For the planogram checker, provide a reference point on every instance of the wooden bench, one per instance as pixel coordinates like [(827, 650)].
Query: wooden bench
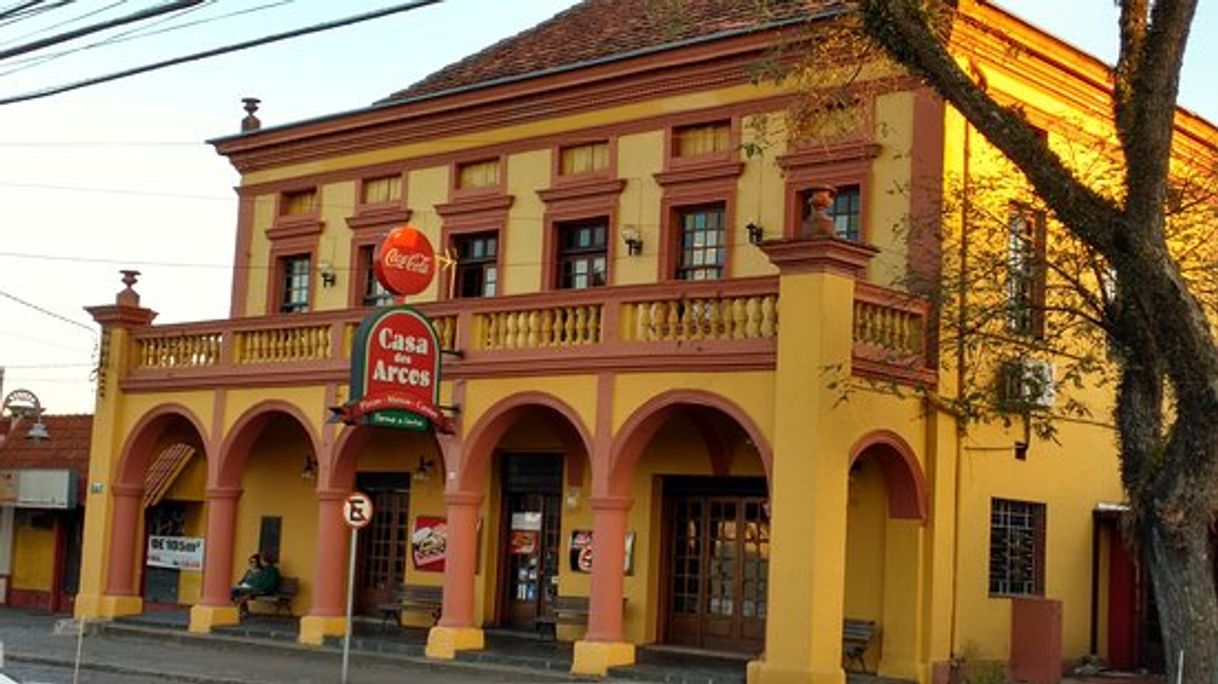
[(857, 636), (282, 597), (412, 598), (565, 610)]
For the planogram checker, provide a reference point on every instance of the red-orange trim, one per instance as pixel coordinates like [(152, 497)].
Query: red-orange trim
[(838, 165), (143, 436), (484, 212), (643, 424), (484, 436), (588, 199), (235, 451), (903, 478)]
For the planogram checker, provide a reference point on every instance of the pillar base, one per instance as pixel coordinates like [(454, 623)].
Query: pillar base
[(761, 672), (596, 657), (204, 618), (104, 607), (315, 628), (444, 642)]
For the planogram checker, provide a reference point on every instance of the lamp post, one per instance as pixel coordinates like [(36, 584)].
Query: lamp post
[(20, 404)]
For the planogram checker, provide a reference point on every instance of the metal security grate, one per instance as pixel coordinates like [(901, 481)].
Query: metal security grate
[(1017, 547)]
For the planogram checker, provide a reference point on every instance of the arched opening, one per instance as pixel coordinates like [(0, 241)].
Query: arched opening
[(697, 467), (402, 472), (529, 455), (886, 508), (158, 492), (269, 456)]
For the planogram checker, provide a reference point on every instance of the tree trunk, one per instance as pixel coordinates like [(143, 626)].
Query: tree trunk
[(1182, 573)]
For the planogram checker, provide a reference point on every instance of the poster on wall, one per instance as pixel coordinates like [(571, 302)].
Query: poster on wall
[(523, 542), (581, 551), (179, 553), (429, 543)]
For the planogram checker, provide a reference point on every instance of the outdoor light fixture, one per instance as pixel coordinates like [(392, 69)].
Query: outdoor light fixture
[(309, 470), (756, 233), (328, 277), (573, 497), (633, 240), (21, 404), (423, 472)]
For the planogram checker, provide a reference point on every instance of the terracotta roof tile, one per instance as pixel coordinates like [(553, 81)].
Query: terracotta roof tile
[(68, 446), (601, 29), (164, 470)]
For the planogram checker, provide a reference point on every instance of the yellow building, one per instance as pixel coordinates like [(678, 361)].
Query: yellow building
[(657, 332)]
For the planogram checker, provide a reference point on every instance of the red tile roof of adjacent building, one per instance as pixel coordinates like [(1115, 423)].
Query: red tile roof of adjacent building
[(597, 30), (68, 447)]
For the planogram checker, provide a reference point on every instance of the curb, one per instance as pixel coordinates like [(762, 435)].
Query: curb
[(135, 632), (127, 670)]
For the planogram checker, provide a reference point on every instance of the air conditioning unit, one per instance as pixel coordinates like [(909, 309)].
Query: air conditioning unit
[(1027, 383)]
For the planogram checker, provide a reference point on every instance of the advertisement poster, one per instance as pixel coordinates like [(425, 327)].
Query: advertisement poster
[(429, 543), (581, 551), (180, 553), (524, 542)]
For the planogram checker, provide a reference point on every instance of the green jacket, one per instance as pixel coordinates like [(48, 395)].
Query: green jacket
[(266, 580)]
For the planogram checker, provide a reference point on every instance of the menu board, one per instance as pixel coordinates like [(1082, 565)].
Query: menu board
[(429, 543)]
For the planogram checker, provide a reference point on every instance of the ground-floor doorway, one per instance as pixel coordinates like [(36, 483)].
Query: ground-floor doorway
[(717, 570), (385, 545), (531, 525)]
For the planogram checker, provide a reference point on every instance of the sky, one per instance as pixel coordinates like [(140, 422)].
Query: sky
[(119, 176)]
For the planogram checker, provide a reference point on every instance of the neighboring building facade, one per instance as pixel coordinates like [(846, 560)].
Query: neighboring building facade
[(656, 329), (42, 511)]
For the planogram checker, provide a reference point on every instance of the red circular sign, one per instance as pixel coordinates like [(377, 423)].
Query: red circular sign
[(405, 262), (357, 510)]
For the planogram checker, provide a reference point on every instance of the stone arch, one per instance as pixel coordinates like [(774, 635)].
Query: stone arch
[(144, 435), (234, 454), (499, 418), (636, 433), (903, 479)]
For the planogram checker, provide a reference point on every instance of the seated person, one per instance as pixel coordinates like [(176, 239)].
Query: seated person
[(261, 579)]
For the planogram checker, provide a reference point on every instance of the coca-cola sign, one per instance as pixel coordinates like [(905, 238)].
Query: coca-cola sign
[(395, 372), (405, 262)]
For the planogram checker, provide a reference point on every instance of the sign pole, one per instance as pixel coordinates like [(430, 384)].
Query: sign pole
[(350, 601)]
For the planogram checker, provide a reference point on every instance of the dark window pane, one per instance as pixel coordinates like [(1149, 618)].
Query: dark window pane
[(476, 274), (294, 289), (702, 234), (582, 254)]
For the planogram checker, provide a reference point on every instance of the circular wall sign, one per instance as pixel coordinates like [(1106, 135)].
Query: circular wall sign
[(357, 510), (405, 263)]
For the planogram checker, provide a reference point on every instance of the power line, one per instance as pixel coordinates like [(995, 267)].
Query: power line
[(141, 15), (234, 47), (39, 340), (29, 366), (47, 312)]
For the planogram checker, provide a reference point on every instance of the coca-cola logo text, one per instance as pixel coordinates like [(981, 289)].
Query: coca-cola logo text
[(415, 263)]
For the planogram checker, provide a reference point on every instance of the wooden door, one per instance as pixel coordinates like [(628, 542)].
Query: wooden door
[(718, 572), (384, 544)]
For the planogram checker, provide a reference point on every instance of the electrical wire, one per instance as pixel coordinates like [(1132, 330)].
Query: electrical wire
[(233, 47), (47, 312), (141, 15)]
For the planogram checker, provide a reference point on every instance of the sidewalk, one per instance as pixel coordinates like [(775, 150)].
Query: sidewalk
[(29, 638)]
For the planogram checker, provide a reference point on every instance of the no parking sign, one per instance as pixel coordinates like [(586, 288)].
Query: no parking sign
[(357, 510)]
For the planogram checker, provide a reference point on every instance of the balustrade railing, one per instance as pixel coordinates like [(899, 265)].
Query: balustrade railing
[(889, 329)]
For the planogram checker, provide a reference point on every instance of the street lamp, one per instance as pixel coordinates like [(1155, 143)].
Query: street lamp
[(22, 403)]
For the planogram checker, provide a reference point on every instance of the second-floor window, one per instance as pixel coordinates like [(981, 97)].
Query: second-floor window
[(372, 292), (294, 286), (1025, 276), (845, 212), (477, 273), (701, 242), (1017, 547), (582, 254)]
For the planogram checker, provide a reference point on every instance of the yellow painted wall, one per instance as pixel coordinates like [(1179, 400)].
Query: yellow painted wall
[(521, 243), (273, 487), (639, 156), (427, 188), (33, 556)]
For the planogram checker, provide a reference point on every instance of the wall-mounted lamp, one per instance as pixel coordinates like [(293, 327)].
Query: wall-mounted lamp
[(633, 240), (308, 471), (328, 276), (756, 233), (423, 472), (573, 497)]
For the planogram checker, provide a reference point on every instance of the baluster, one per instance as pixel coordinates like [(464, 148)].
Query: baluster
[(594, 323), (769, 316), (688, 321), (739, 318), (509, 330), (547, 328), (754, 321), (581, 326), (655, 317), (490, 329), (672, 321)]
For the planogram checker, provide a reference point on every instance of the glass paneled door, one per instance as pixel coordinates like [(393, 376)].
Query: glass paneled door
[(384, 544), (719, 564), (532, 517)]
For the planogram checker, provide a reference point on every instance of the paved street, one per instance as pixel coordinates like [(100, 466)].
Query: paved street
[(33, 651)]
